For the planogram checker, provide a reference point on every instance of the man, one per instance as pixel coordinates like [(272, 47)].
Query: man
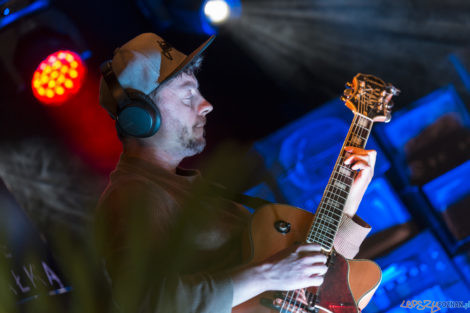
[(186, 256)]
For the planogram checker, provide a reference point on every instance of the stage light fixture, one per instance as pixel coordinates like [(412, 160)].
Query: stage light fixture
[(190, 16), (217, 11), (58, 77)]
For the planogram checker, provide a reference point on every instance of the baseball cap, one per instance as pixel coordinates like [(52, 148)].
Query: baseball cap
[(144, 63)]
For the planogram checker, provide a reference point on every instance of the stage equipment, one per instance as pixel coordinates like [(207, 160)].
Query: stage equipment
[(449, 195), (58, 77), (430, 144), (217, 11), (196, 17), (419, 270), (32, 35)]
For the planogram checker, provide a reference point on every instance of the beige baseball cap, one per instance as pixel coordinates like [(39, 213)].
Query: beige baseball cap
[(143, 63)]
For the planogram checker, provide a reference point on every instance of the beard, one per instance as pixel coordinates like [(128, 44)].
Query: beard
[(191, 144)]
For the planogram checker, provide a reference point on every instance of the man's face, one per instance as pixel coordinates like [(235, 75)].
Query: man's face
[(183, 111)]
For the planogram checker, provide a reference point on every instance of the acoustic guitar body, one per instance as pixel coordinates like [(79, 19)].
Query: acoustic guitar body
[(348, 284)]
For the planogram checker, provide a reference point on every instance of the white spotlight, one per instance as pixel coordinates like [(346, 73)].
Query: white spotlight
[(217, 11)]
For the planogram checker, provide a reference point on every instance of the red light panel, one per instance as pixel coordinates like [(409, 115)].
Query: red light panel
[(58, 77)]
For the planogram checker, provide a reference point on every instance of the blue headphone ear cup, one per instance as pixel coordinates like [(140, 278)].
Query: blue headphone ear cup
[(141, 118)]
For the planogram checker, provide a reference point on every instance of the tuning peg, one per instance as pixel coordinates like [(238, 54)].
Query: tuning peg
[(348, 85), (389, 105), (393, 90), (348, 93)]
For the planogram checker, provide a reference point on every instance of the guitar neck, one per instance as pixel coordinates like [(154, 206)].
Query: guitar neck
[(330, 210)]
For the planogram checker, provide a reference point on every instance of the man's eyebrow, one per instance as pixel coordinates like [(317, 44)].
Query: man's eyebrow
[(189, 83)]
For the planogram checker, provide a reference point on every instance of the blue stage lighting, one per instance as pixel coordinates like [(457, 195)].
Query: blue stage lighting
[(9, 15)]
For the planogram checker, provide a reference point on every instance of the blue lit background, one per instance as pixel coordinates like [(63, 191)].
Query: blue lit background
[(426, 266)]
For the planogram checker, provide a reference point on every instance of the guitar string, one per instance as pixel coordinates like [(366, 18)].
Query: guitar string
[(335, 176), (331, 193), (354, 134), (357, 131), (295, 306)]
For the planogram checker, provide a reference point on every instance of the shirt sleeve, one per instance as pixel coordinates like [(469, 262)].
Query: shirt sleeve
[(350, 235), (142, 269), (200, 292)]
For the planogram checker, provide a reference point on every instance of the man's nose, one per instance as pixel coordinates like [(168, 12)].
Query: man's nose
[(205, 107)]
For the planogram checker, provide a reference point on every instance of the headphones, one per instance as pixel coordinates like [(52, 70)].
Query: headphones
[(137, 115)]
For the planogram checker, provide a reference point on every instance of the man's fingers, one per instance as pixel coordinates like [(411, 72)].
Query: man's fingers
[(308, 247), (368, 158), (356, 150), (314, 259), (357, 158), (316, 270), (316, 281), (360, 165)]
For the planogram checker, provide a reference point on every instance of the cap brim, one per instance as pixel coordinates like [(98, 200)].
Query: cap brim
[(191, 57)]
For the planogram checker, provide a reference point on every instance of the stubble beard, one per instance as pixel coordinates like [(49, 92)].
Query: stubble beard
[(190, 144)]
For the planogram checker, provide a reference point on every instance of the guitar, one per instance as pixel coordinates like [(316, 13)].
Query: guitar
[(348, 285)]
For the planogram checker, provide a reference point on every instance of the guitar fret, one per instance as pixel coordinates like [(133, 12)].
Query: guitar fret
[(321, 228), (333, 203), (363, 122), (324, 208), (327, 223), (344, 171), (335, 189), (356, 141), (330, 210), (324, 232), (342, 178), (335, 197), (325, 229), (363, 132), (358, 136), (319, 241), (326, 220)]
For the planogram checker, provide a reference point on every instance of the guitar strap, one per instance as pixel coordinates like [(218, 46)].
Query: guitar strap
[(249, 201)]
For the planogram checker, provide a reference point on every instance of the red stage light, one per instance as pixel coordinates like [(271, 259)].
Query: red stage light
[(58, 77)]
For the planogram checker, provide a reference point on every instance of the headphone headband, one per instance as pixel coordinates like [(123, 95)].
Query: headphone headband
[(117, 92), (136, 114)]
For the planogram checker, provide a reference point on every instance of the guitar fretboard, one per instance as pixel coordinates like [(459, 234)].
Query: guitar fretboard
[(330, 210)]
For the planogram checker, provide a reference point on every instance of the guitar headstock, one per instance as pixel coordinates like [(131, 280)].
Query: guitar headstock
[(370, 96)]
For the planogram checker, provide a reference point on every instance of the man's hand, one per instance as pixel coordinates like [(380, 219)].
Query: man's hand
[(296, 267), (363, 161)]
